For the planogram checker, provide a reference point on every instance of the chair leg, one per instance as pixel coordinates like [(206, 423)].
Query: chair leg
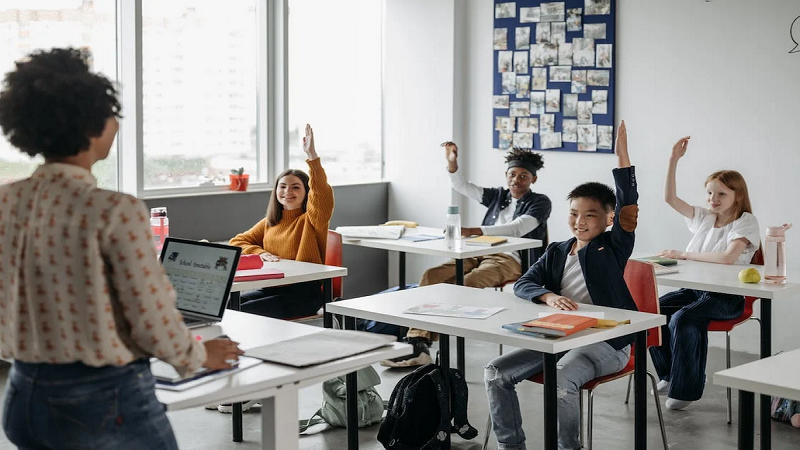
[(658, 409), (628, 395), (589, 420), (728, 366), (580, 420), (487, 433)]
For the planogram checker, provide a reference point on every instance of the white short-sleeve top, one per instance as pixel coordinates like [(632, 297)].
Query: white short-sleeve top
[(709, 239)]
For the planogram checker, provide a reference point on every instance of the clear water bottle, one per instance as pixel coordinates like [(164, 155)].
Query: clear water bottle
[(452, 228), (159, 225), (775, 254)]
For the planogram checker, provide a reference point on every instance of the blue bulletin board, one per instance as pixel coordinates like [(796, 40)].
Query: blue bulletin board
[(554, 75)]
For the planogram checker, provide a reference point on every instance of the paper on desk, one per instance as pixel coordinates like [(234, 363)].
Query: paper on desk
[(320, 347), (595, 314), (372, 232), (450, 310)]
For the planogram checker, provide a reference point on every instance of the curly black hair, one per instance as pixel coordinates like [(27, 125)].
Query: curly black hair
[(595, 191), (535, 160), (51, 104)]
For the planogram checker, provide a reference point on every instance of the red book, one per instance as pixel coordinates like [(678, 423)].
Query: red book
[(250, 262), (265, 273), (560, 324)]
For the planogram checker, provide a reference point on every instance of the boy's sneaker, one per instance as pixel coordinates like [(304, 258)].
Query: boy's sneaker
[(677, 405), (420, 357), (227, 408), (662, 387)]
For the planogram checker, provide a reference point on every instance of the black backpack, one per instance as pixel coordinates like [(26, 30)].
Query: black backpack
[(417, 417)]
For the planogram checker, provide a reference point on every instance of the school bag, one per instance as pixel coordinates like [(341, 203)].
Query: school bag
[(417, 416), (334, 393)]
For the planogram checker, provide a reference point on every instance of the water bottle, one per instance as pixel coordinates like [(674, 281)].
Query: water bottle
[(159, 225), (452, 228), (775, 254)]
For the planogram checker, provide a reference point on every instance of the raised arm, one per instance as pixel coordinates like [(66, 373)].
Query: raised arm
[(320, 196), (670, 186), (623, 160), (626, 211)]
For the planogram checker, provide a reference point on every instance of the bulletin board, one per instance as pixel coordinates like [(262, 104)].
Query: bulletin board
[(554, 75)]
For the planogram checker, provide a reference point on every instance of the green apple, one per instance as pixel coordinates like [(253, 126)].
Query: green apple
[(749, 275)]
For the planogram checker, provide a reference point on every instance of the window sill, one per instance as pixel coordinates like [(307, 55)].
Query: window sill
[(221, 190)]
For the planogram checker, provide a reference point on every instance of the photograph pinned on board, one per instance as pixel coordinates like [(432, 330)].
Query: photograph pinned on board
[(550, 140), (501, 39), (549, 54), (565, 54), (594, 30), (569, 130), (528, 125), (597, 77), (500, 101), (584, 113), (520, 109), (537, 102), (523, 140), (583, 52), (522, 39), (504, 140), (509, 83), (521, 62), (542, 32), (570, 105), (523, 86), (605, 137), (587, 138), (529, 15), (552, 12), (538, 78), (600, 101), (537, 55), (504, 61), (505, 10), (560, 74), (578, 82), (574, 19), (547, 123), (604, 55), (553, 100), (558, 32), (504, 124), (597, 7)]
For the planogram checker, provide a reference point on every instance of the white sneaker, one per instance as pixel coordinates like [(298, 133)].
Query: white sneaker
[(677, 405), (227, 408), (662, 387)]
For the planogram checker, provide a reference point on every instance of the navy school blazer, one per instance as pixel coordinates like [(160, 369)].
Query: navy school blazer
[(602, 261)]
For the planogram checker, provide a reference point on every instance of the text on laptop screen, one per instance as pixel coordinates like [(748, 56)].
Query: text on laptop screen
[(199, 275)]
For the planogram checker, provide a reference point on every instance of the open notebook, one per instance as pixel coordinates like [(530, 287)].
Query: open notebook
[(320, 347)]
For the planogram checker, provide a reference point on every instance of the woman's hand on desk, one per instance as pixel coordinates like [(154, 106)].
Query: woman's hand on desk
[(219, 352), (673, 254), (467, 232), (558, 302), (267, 256)]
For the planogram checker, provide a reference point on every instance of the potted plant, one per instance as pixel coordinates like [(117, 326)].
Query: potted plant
[(239, 179)]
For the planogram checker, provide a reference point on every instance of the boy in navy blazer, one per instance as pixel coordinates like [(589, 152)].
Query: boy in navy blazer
[(587, 268)]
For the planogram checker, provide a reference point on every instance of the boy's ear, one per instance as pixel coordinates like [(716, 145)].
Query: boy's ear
[(533, 180), (610, 219)]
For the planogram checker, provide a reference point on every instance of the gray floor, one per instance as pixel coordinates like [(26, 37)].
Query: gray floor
[(702, 426)]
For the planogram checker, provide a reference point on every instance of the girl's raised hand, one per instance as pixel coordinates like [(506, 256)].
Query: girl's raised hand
[(451, 153), (308, 143), (679, 149)]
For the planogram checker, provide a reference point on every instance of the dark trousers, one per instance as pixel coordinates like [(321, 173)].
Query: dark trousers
[(681, 358), (284, 302)]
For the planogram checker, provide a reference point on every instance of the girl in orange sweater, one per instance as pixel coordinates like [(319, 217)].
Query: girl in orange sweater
[(296, 227)]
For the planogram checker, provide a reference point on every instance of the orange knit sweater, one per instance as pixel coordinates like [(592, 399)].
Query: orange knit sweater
[(300, 235)]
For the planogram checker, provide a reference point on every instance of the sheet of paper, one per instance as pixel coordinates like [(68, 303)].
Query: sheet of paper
[(449, 310)]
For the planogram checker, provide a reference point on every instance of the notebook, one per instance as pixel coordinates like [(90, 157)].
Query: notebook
[(264, 273), (486, 241), (320, 347), (168, 378), (202, 275), (658, 260)]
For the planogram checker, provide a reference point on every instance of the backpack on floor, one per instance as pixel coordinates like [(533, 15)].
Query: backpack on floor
[(334, 394), (417, 417)]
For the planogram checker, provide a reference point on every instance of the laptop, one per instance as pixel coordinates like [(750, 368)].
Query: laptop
[(202, 274)]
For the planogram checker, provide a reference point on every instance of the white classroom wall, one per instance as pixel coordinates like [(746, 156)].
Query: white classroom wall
[(718, 71)]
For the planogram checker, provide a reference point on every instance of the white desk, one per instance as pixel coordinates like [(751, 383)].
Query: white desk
[(389, 308), (724, 278), (773, 376), (438, 247), (276, 384)]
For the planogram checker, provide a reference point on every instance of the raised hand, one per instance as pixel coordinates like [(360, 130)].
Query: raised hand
[(621, 148), (451, 153), (308, 143), (679, 149)]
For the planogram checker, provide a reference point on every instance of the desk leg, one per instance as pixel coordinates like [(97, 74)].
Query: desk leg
[(279, 421), (236, 422), (640, 391), (351, 386), (766, 352), (746, 410), (525, 259), (550, 403), (235, 301), (401, 276), (327, 297), (444, 366), (460, 340)]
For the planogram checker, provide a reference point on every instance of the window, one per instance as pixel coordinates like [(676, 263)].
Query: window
[(335, 85), (28, 25), (199, 89)]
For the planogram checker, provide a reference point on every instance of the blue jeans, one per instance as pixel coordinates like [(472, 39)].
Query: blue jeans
[(681, 358), (574, 369), (74, 406)]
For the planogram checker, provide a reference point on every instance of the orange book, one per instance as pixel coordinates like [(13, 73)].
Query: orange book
[(560, 324)]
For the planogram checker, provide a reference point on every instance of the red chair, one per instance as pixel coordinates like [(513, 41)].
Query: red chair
[(333, 257)]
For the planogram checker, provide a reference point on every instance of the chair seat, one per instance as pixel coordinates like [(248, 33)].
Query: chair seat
[(728, 325), (591, 384)]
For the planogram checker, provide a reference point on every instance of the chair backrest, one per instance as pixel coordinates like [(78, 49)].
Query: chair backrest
[(641, 280), (333, 257), (758, 257)]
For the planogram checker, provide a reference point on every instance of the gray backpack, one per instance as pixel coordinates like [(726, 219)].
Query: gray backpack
[(334, 393)]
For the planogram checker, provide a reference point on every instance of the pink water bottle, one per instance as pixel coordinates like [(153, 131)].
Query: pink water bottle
[(159, 225), (775, 254)]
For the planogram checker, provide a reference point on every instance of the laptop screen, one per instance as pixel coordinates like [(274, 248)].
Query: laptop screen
[(201, 273)]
